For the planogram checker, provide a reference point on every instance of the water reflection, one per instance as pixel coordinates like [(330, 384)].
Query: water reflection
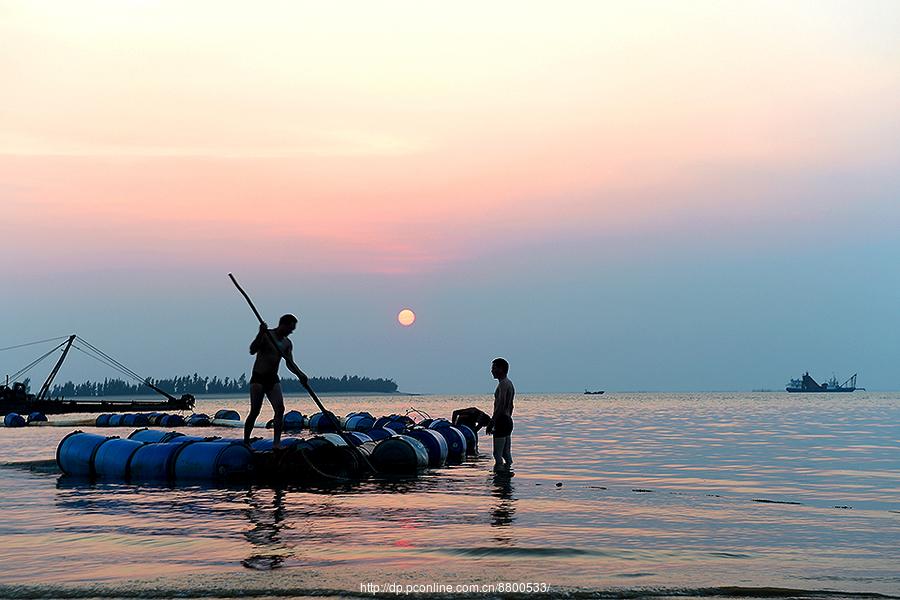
[(267, 518), (504, 510), (705, 458)]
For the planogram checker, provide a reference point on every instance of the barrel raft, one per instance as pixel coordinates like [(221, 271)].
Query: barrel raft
[(389, 445)]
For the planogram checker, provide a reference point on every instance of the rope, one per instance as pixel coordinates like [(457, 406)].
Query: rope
[(345, 435), (62, 337), (322, 473), (105, 359), (111, 359), (104, 362), (35, 362), (421, 413)]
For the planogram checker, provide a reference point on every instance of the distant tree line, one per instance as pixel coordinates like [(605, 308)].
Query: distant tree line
[(196, 385)]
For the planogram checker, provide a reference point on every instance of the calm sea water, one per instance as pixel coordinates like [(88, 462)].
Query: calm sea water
[(612, 496)]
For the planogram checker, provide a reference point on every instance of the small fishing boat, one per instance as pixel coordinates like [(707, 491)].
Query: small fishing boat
[(590, 393)]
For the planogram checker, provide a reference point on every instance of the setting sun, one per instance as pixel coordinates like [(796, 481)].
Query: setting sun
[(406, 317)]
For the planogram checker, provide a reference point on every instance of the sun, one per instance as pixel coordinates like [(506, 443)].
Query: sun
[(406, 317)]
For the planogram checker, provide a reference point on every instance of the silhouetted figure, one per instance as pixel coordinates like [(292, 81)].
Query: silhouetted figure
[(501, 424), (264, 381), (471, 417)]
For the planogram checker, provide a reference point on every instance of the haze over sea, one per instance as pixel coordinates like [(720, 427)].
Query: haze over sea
[(707, 494)]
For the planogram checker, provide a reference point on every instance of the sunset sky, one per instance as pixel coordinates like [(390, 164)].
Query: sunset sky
[(619, 195)]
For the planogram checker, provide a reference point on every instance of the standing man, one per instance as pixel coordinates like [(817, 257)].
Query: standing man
[(501, 424), (264, 381)]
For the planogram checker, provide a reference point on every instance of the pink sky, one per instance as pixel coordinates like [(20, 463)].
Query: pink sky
[(409, 136), (588, 188)]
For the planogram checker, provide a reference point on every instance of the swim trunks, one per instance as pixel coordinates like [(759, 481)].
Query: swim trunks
[(267, 382), (503, 425)]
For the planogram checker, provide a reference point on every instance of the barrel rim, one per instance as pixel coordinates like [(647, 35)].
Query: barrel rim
[(127, 474), (443, 446), (91, 473), (59, 446), (418, 448), (136, 431), (171, 458), (226, 446)]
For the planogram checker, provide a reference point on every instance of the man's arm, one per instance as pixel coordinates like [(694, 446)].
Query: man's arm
[(292, 366), (259, 340)]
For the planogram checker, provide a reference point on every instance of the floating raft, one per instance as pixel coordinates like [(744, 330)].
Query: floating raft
[(398, 446)]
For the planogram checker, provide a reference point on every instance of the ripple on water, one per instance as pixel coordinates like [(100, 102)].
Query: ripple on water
[(671, 490)]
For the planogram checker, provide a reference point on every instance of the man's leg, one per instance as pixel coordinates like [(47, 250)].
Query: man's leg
[(256, 398), (507, 451), (499, 446), (276, 399)]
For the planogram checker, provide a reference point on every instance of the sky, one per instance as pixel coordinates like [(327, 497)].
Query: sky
[(621, 196)]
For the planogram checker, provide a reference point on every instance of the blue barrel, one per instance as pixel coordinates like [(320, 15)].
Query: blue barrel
[(37, 417), (400, 454), (436, 423), (380, 434), (293, 420), (395, 422), (335, 439), (152, 436), (331, 454), (178, 438), (434, 442), (155, 417), (360, 422), (398, 426), (212, 460), (380, 421), (172, 421), (102, 420), (112, 457), (115, 420), (14, 420), (360, 414), (75, 452), (153, 462), (456, 442), (198, 420), (471, 439), (357, 438), (135, 420), (321, 423), (227, 415), (266, 445)]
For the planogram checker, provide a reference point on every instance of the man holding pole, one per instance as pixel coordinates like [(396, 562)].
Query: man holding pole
[(269, 346)]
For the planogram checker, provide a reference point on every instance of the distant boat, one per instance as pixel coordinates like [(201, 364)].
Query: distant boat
[(590, 393), (15, 398), (807, 384)]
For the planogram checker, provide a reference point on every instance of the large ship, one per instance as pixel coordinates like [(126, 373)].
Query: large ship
[(808, 385)]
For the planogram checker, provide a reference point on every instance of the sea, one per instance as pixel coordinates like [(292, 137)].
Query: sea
[(621, 495)]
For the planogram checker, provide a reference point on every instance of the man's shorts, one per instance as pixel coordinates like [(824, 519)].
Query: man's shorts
[(267, 381), (503, 426)]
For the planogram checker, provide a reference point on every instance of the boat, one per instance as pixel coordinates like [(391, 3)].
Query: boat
[(807, 384), (16, 399), (590, 393)]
